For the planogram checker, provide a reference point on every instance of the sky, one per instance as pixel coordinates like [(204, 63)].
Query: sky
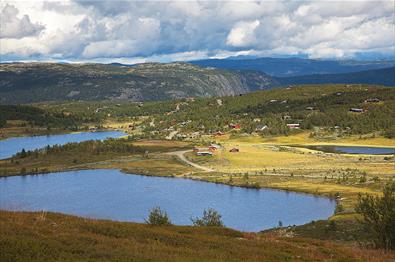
[(164, 31)]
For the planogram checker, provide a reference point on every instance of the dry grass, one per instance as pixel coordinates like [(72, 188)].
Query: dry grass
[(261, 157), (55, 237), (270, 162)]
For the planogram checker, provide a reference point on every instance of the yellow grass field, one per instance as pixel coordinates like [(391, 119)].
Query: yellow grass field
[(271, 162), (298, 161)]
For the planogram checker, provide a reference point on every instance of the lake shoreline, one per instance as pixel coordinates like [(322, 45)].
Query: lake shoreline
[(203, 192)]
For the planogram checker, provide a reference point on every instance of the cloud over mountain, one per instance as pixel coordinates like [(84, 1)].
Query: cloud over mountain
[(168, 30)]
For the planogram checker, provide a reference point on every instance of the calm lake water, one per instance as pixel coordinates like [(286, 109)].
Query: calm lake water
[(111, 194), (11, 146), (355, 150)]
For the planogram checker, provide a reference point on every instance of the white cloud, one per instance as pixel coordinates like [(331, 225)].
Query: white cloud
[(243, 34), (12, 26), (161, 30)]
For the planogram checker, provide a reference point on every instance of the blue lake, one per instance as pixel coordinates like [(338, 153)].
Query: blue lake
[(355, 149), (11, 146), (111, 194)]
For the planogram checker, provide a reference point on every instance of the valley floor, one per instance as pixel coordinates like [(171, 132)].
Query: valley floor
[(261, 162)]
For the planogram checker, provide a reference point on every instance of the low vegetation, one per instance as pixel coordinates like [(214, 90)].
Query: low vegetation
[(44, 236)]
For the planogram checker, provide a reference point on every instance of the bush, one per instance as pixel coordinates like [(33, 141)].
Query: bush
[(158, 217), (339, 208), (379, 216), (389, 133), (3, 122), (211, 218)]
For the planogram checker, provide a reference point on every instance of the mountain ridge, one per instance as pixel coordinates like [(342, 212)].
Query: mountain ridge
[(44, 82), (383, 76), (35, 82), (293, 66)]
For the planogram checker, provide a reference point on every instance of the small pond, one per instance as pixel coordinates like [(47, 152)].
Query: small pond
[(355, 149), (11, 146), (111, 194)]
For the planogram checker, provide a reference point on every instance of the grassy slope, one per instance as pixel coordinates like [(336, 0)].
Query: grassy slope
[(49, 237)]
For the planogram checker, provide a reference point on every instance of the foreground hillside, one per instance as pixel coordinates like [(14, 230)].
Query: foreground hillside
[(49, 237), (34, 82)]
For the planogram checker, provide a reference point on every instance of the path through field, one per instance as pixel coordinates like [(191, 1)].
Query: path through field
[(181, 156)]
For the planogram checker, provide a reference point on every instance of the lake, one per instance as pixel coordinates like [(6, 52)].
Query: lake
[(355, 149), (111, 194), (11, 146)]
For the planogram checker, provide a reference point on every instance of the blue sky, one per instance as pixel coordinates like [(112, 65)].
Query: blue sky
[(140, 31)]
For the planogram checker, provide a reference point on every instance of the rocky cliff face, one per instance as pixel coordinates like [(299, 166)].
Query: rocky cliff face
[(35, 82)]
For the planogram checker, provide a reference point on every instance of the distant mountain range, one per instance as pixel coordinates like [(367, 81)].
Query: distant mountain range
[(285, 67), (385, 76), (37, 82)]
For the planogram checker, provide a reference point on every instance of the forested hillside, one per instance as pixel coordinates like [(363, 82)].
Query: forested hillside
[(38, 117), (327, 107)]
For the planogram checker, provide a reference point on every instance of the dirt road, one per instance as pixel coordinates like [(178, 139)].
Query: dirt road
[(181, 156)]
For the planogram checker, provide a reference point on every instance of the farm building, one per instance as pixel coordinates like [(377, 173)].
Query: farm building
[(235, 126), (356, 110), (204, 153), (261, 127), (214, 147), (293, 126), (219, 133), (372, 100)]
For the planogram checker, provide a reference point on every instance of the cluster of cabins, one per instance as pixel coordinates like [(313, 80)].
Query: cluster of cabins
[(295, 124), (209, 151), (361, 110)]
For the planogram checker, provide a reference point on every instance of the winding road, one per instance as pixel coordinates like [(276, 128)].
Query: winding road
[(181, 156)]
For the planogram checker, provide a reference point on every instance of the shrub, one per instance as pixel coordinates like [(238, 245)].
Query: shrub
[(389, 133), (339, 208), (158, 217), (379, 216), (332, 225), (23, 171), (211, 218)]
